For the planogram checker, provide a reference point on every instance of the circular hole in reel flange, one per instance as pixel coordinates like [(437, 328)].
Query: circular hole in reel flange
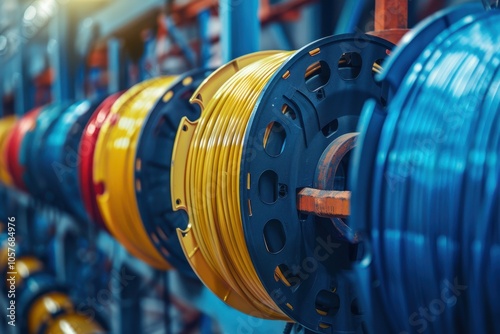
[(355, 307), (288, 111), (282, 190), (327, 303), (376, 70), (274, 139), (285, 275), (274, 236), (268, 187), (350, 65), (317, 75), (330, 128)]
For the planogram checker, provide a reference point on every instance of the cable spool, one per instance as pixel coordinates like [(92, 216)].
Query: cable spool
[(40, 300), (6, 125), (24, 267), (54, 312), (86, 153), (30, 152), (201, 257), (31, 282), (14, 143), (152, 166), (115, 187), (432, 213), (47, 307), (374, 114), (60, 158), (74, 323), (254, 162)]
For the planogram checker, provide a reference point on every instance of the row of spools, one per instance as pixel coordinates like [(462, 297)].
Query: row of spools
[(81, 157), (211, 187)]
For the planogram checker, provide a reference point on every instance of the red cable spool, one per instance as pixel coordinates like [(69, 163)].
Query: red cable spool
[(86, 153), (14, 143)]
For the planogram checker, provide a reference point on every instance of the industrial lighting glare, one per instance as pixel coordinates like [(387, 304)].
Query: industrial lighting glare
[(30, 13), (47, 7), (3, 43)]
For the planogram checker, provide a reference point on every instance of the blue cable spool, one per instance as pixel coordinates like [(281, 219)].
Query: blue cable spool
[(374, 114), (60, 157), (416, 40), (32, 149), (154, 155), (420, 212)]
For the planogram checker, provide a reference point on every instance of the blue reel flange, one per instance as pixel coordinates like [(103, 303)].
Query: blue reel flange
[(153, 159), (302, 260)]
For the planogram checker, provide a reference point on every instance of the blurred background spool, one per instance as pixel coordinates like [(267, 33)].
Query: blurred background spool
[(433, 184), (115, 187), (14, 142)]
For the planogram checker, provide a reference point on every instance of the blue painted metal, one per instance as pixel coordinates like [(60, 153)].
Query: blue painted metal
[(117, 77), (62, 56), (278, 28), (21, 88), (180, 41), (240, 28), (350, 16), (283, 40), (203, 23), (148, 63)]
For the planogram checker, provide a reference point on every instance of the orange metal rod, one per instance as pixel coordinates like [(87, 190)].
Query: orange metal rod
[(324, 203), (391, 14), (391, 19)]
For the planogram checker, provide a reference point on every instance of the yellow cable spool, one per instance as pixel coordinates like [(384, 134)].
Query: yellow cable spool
[(46, 307), (114, 166), (74, 323), (209, 152), (6, 125), (4, 253), (25, 267)]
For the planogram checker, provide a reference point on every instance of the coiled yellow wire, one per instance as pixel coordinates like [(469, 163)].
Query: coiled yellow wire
[(74, 323), (212, 187), (115, 165), (47, 307), (6, 125)]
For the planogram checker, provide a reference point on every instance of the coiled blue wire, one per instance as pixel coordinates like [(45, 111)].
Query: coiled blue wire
[(433, 211), (60, 158), (31, 149)]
